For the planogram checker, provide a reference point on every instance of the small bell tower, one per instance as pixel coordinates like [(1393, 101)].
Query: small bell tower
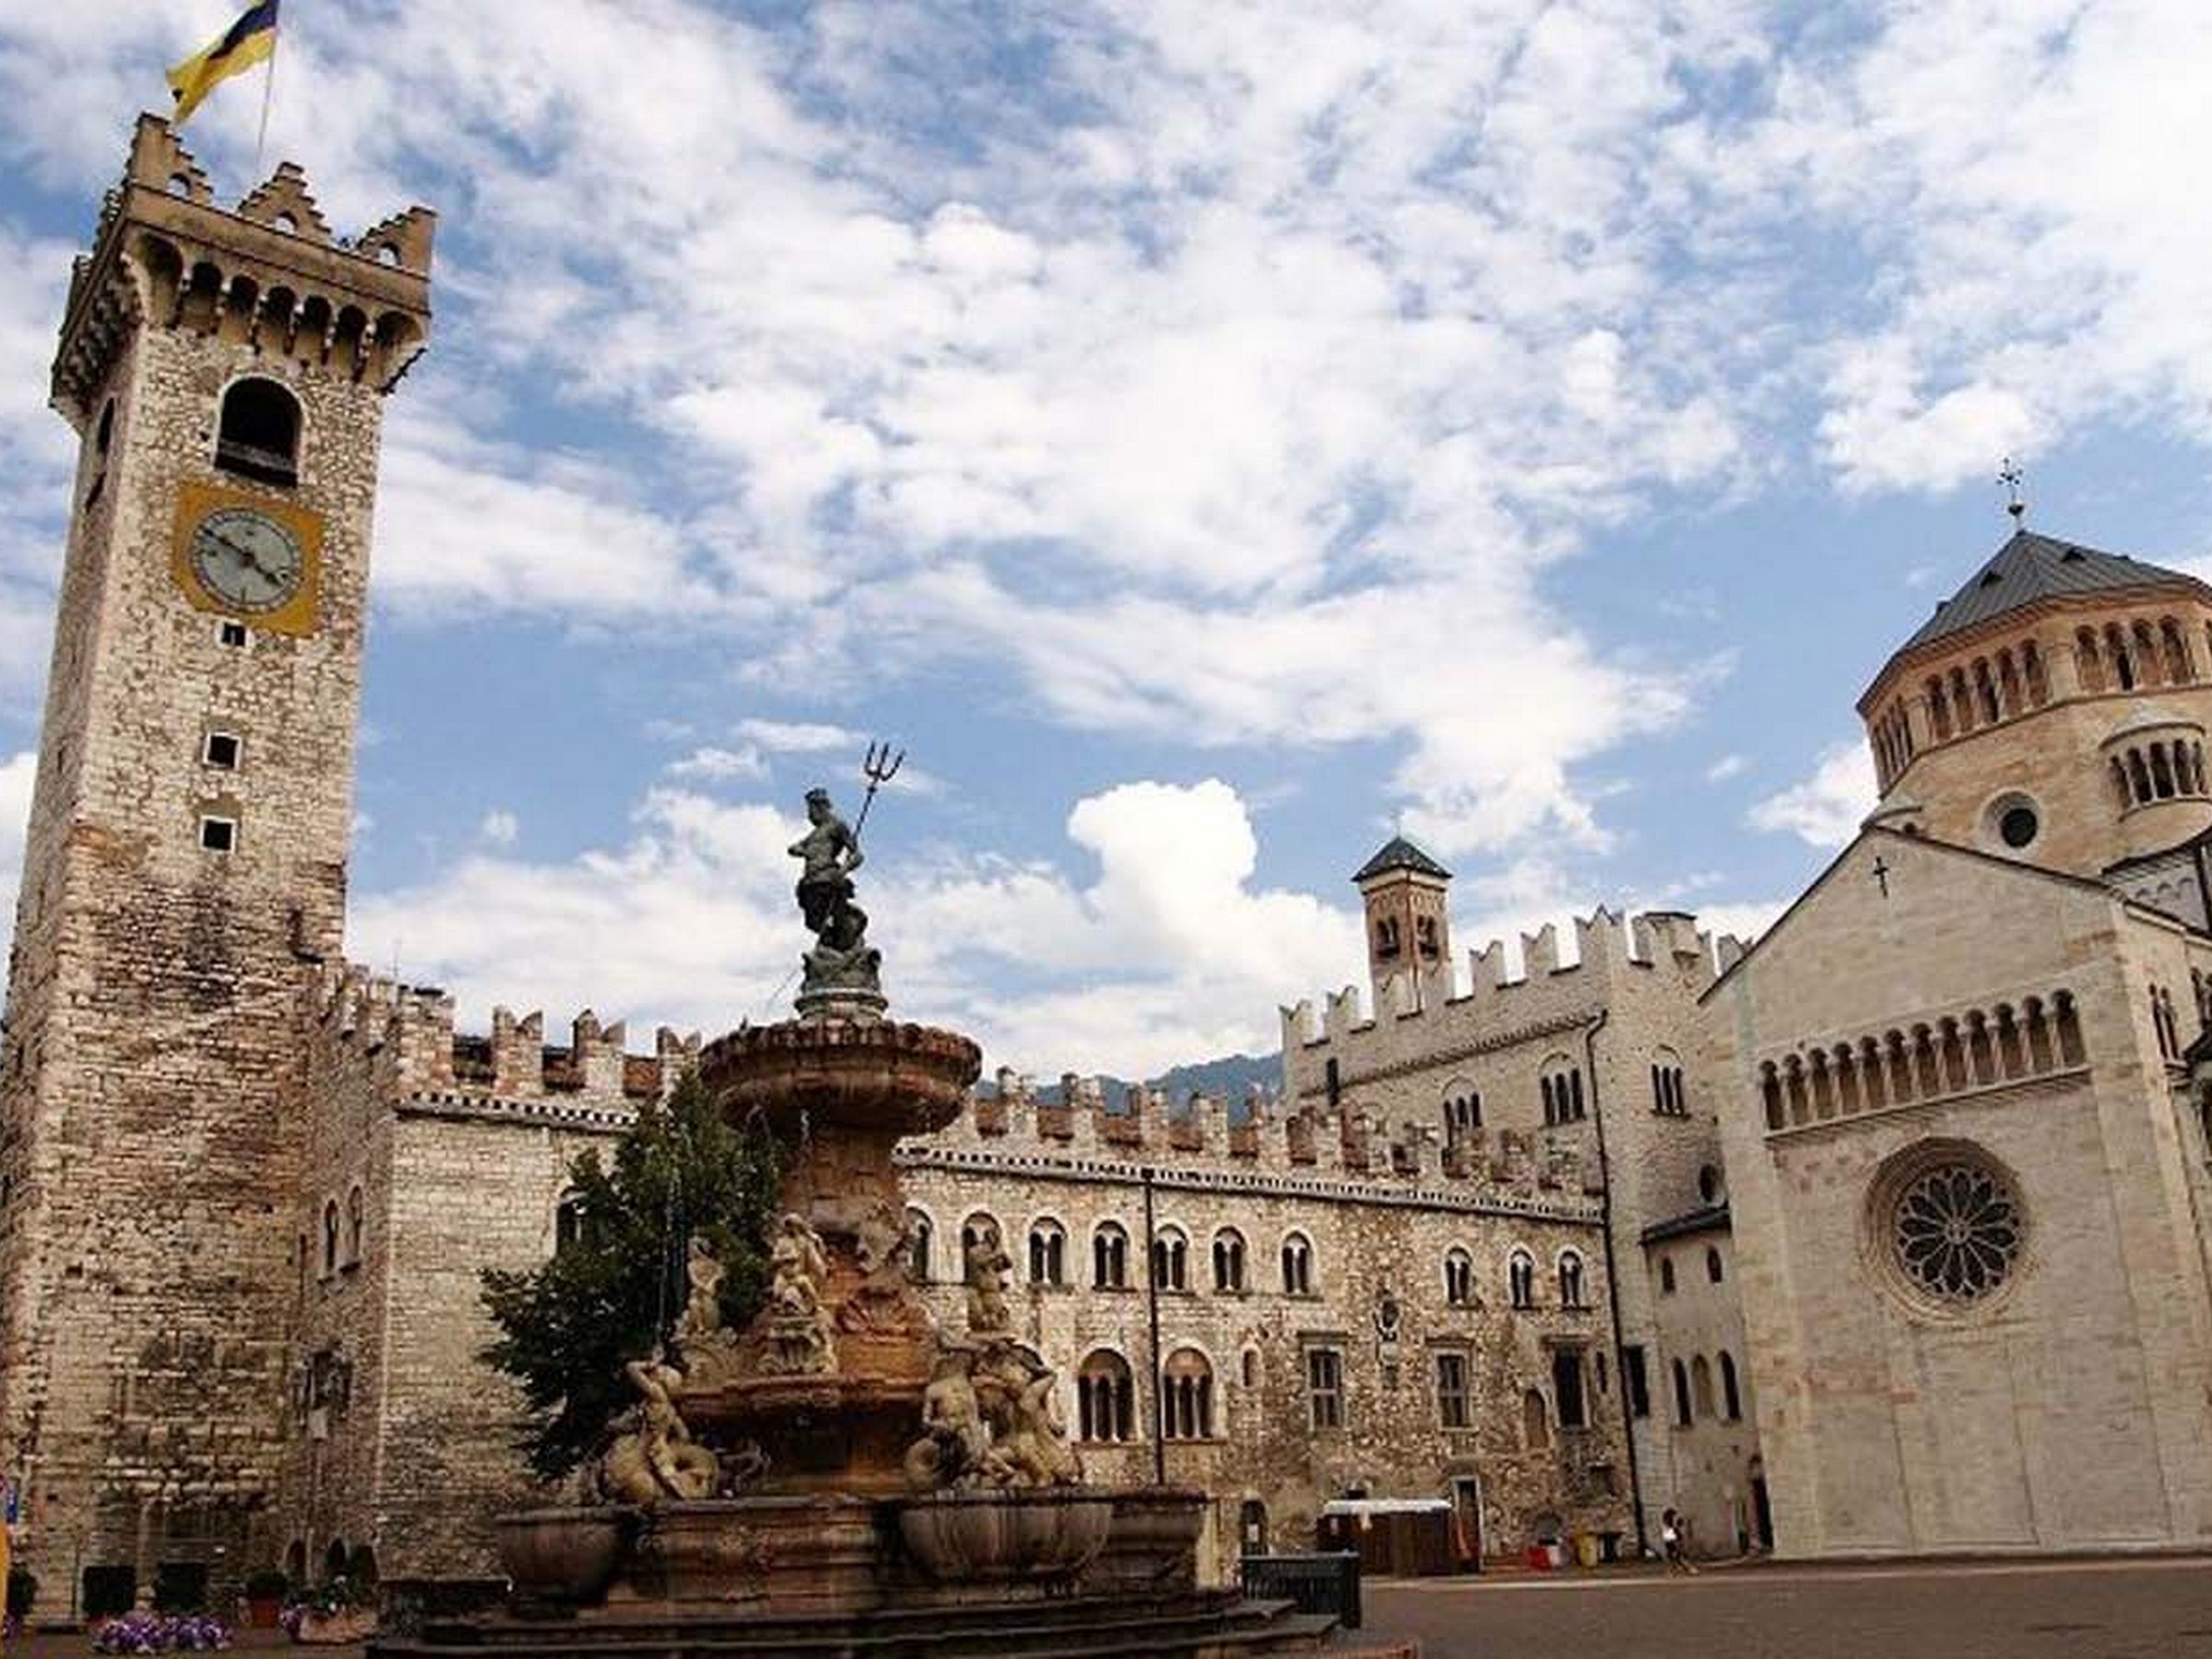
[(1408, 929)]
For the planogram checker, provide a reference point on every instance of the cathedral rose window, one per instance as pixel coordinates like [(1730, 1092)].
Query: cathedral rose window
[(1955, 1230)]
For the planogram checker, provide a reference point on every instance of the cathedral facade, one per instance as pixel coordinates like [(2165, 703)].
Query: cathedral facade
[(1884, 1236), (1967, 1165)]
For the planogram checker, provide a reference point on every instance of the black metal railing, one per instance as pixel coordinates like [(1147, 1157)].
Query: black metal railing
[(1326, 1583)]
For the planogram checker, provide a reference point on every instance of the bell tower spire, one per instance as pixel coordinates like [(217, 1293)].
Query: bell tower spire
[(1408, 928)]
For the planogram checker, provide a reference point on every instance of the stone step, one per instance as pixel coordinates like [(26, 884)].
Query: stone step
[(622, 1624), (1215, 1627)]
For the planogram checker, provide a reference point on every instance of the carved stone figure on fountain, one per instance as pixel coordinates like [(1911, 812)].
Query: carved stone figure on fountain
[(707, 1347), (702, 1308), (652, 1457), (955, 1449), (800, 1339), (1027, 1433), (985, 1268), (843, 972), (884, 1302)]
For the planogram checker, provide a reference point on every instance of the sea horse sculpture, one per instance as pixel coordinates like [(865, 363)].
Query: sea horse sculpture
[(652, 1457)]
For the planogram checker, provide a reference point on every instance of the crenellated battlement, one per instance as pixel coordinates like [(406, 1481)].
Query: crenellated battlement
[(1493, 1003), (409, 1030), (270, 275), (1197, 1132)]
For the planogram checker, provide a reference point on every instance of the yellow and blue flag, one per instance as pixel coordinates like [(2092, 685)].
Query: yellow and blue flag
[(245, 43)]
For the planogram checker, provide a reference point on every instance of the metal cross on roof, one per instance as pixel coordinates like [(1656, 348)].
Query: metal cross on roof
[(2012, 478)]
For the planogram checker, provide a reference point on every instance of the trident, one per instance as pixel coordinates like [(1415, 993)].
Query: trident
[(880, 768)]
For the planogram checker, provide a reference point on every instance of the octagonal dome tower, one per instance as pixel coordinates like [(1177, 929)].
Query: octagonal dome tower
[(2054, 710)]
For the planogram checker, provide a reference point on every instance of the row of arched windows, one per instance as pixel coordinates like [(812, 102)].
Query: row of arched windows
[(1988, 690), (1521, 1278), (1560, 1084), (2121, 656), (1693, 1391), (1463, 1109), (1109, 1255), (1891, 736), (274, 321), (1962, 698), (1106, 1397), (2157, 771), (2013, 679), (1954, 1054)]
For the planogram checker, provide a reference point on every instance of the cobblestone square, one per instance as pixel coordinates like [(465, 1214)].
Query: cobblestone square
[(2080, 1610)]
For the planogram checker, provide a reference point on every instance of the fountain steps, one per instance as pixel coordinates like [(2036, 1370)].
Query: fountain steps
[(1202, 1626)]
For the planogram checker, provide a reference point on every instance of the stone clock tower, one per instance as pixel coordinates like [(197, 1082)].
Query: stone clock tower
[(185, 865)]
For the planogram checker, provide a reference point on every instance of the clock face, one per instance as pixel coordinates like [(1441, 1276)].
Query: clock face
[(246, 559)]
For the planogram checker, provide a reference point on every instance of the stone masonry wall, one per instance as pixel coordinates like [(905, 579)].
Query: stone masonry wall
[(1378, 1225), (1704, 1452), (155, 1050), (1627, 1005), (2068, 1409), (402, 1440)]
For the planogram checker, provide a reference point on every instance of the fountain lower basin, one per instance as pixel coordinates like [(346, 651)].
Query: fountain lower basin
[(1048, 1534)]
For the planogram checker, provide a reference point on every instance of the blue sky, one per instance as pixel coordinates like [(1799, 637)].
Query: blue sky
[(1203, 436)]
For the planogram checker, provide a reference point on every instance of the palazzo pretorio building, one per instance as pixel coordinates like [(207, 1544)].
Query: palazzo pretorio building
[(1884, 1234)]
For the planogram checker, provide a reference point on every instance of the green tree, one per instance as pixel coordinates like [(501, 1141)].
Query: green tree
[(616, 1286)]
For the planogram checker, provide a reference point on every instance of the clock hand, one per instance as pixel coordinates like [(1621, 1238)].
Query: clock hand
[(245, 554)]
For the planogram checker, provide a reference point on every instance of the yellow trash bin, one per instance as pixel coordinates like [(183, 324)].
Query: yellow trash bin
[(1586, 1549)]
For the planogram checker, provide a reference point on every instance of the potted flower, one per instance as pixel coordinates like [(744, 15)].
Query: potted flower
[(340, 1610), (264, 1597), (143, 1632)]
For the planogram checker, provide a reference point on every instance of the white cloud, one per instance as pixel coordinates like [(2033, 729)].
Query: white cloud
[(1825, 809), (720, 764), (1166, 952), (1727, 766), (1257, 345), (500, 827), (18, 773), (37, 456), (797, 737), (2025, 176), (1746, 919), (1239, 378), (466, 523)]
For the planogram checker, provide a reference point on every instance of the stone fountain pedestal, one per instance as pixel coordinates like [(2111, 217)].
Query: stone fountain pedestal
[(881, 1486)]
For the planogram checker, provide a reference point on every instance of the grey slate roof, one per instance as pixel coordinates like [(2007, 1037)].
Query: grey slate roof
[(2029, 568), (1399, 853)]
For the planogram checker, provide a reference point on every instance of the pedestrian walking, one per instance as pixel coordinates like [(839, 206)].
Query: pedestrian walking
[(1670, 1543)]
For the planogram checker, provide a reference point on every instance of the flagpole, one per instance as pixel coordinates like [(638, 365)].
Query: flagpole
[(268, 96)]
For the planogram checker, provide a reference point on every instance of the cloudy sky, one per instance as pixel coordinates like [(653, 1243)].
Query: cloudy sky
[(1203, 435)]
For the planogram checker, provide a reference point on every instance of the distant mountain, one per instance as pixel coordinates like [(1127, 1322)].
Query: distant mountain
[(1230, 1078)]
